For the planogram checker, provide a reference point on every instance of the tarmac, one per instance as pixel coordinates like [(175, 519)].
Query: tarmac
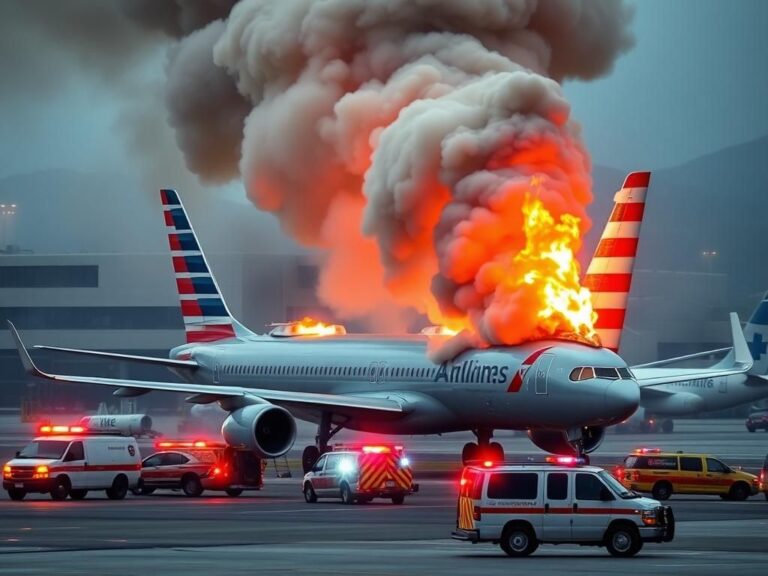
[(274, 531)]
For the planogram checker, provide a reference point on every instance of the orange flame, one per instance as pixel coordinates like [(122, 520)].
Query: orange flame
[(551, 267), (309, 327)]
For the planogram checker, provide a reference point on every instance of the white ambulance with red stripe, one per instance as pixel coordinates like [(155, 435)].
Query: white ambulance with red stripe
[(561, 501), (70, 461)]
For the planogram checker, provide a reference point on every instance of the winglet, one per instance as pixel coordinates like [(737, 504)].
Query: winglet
[(741, 354), (26, 360)]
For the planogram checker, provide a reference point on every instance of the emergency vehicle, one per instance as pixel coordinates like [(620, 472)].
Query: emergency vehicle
[(71, 461), (666, 473), (198, 465), (561, 501), (357, 473)]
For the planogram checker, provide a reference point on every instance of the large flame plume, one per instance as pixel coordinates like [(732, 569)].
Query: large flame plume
[(403, 137)]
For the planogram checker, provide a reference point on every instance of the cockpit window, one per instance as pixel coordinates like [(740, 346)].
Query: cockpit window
[(582, 373), (625, 373), (607, 373), (588, 372)]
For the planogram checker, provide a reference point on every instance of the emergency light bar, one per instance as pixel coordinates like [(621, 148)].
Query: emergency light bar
[(368, 448), (59, 429), (189, 444), (648, 451)]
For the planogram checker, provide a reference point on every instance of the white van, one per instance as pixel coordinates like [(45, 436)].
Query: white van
[(72, 464), (520, 506)]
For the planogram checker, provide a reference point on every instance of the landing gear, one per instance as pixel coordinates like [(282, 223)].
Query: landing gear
[(484, 449), (324, 433)]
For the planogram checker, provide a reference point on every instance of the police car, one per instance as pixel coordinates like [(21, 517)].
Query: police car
[(357, 473), (665, 473), (197, 465), (560, 501), (71, 461)]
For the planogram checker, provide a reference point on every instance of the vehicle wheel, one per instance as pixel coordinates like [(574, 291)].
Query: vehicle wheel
[(518, 540), (16, 495), (399, 499), (78, 494), (309, 457), (469, 452), (234, 492), (346, 495), (668, 426), (739, 491), (497, 452), (309, 494), (60, 489), (623, 541), (119, 488), (662, 490), (190, 485)]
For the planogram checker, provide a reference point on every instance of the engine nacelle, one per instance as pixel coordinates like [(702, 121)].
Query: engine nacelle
[(127, 424), (268, 430), (556, 441)]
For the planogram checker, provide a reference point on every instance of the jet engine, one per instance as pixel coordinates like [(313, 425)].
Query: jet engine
[(556, 441), (268, 430)]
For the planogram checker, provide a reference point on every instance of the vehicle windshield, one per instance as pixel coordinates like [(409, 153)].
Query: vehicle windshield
[(52, 449), (617, 487)]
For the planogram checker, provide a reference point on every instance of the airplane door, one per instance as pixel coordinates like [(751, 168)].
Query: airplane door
[(216, 372), (722, 385), (542, 366)]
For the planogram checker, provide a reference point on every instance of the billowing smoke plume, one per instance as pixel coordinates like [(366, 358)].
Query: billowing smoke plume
[(406, 137), (426, 144)]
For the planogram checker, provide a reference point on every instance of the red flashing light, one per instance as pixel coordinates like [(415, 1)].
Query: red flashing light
[(488, 463), (564, 460), (463, 482), (648, 451)]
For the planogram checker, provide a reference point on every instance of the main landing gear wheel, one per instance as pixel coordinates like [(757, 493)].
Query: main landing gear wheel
[(309, 457)]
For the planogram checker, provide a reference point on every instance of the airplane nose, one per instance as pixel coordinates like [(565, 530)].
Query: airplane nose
[(622, 397)]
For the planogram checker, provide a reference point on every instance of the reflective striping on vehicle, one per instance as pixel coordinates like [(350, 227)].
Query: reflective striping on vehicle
[(541, 510), (465, 511), (376, 469)]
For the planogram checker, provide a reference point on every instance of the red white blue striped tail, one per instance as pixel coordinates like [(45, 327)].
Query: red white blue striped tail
[(206, 317), (609, 275)]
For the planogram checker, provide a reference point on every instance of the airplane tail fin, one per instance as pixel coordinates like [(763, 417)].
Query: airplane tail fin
[(206, 316), (756, 334), (609, 275)]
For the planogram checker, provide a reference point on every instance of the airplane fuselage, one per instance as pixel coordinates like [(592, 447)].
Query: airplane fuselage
[(526, 386)]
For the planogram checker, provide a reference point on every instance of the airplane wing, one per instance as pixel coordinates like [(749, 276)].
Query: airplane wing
[(342, 405), (167, 362), (667, 361), (648, 377)]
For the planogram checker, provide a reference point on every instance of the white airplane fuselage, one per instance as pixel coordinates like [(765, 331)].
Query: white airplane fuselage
[(476, 389)]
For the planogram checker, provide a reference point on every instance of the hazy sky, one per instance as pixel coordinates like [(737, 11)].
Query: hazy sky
[(695, 82)]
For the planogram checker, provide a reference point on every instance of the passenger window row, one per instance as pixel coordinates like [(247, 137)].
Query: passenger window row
[(387, 372)]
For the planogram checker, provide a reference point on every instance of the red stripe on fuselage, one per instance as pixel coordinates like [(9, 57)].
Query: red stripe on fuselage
[(517, 380)]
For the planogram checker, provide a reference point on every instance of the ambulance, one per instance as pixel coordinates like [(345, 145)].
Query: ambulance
[(560, 501), (70, 461), (360, 473)]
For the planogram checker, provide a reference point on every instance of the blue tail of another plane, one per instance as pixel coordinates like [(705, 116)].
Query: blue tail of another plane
[(756, 334)]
